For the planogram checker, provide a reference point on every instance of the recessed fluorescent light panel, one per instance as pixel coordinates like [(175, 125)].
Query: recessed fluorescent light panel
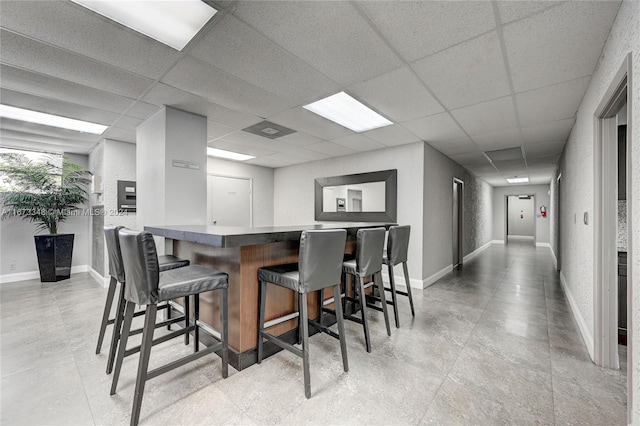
[(14, 113), (348, 112), (518, 180), (215, 152), (173, 23)]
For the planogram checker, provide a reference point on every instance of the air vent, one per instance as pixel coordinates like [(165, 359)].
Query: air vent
[(505, 154), (269, 130)]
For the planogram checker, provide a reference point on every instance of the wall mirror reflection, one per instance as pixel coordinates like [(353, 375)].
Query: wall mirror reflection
[(362, 197)]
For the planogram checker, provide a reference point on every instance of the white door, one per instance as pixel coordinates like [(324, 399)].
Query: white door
[(229, 201)]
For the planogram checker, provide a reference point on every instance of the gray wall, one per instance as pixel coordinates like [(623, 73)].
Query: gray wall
[(541, 193), (478, 212), (577, 188), (294, 190), (520, 214)]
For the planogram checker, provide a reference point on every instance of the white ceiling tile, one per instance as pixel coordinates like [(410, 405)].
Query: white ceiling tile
[(543, 148), (551, 103), (455, 146), (307, 154), (240, 136), (127, 122), (266, 162), (217, 130), (302, 120), (391, 135), (567, 39), (11, 137), (228, 45), (286, 159), (51, 106), (142, 110), (419, 28), (499, 140), (435, 128), (331, 149), (37, 129), (119, 134), (466, 74), (240, 148), (71, 147), (330, 36), (196, 77), (482, 170), (51, 87), (398, 94), (85, 33), (513, 10), (476, 158), (358, 143), (300, 139), (38, 57), (487, 117), (548, 132), (543, 163), (162, 94), (511, 166)]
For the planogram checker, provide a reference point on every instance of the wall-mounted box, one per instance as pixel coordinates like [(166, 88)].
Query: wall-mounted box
[(96, 184), (127, 195)]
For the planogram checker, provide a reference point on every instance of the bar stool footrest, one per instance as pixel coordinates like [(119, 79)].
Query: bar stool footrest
[(324, 329), (281, 343), (184, 360), (161, 339)]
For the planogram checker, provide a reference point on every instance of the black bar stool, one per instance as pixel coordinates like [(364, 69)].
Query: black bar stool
[(319, 267), (397, 252), (116, 271), (367, 263), (145, 285)]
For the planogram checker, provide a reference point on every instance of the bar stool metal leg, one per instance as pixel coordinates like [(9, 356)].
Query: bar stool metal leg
[(340, 321), (117, 330), (126, 327), (186, 319), (107, 310), (406, 280), (363, 308), (394, 296), (304, 317), (143, 364), (383, 300), (263, 304), (225, 333), (299, 320), (196, 317)]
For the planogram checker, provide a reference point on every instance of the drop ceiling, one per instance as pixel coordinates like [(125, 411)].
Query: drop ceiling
[(467, 77)]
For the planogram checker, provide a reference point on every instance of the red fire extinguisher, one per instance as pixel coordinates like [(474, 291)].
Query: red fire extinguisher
[(543, 211), (521, 214)]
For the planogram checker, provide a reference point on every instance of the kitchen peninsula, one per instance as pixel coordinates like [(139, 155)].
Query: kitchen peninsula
[(240, 252)]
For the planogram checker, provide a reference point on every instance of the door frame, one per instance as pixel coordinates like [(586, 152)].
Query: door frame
[(605, 220), (250, 179), (460, 182), (559, 222), (506, 216)]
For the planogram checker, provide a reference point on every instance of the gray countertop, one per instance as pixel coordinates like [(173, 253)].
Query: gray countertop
[(234, 236)]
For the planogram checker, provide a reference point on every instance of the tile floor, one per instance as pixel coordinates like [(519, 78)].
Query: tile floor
[(493, 343)]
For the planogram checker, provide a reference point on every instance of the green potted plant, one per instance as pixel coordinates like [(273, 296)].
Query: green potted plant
[(45, 193)]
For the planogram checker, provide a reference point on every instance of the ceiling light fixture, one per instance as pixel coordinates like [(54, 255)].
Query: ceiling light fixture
[(14, 113), (348, 112), (173, 23), (518, 180), (215, 152)]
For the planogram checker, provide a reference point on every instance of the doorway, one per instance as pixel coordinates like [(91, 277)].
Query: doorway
[(229, 200), (606, 253), (458, 216), (520, 216)]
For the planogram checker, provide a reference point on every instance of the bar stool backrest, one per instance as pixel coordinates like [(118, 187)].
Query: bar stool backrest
[(116, 268), (398, 244), (140, 260), (369, 251), (320, 258)]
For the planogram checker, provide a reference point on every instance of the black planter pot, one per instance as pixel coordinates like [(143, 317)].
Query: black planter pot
[(54, 256)]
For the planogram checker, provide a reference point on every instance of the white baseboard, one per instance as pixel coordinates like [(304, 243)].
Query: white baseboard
[(435, 277), (399, 280), (587, 335), (103, 281), (34, 275), (497, 242), (476, 252), (543, 245)]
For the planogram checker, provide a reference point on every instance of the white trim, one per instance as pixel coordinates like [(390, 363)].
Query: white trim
[(103, 281), (399, 280), (543, 245), (34, 275), (435, 277), (476, 252), (497, 241), (587, 335)]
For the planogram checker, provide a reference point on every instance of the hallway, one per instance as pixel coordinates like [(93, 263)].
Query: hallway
[(492, 343)]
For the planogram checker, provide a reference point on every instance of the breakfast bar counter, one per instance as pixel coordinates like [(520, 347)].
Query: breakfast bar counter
[(240, 252)]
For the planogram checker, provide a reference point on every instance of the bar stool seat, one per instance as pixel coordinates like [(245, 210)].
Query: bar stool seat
[(319, 267), (145, 285), (350, 267), (116, 271)]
